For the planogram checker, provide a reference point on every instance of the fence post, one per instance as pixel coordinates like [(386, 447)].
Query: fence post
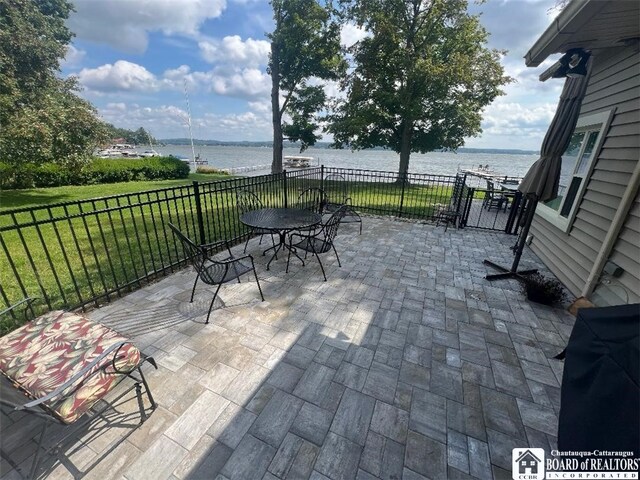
[(284, 184), (196, 191), (513, 212), (403, 178), (471, 192), (322, 177)]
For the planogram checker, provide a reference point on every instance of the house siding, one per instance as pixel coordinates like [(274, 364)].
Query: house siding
[(614, 83), (625, 254)]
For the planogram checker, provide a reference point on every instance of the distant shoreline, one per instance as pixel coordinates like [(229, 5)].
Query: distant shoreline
[(320, 145)]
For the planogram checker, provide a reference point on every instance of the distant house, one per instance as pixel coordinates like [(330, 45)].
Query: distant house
[(589, 236), (527, 463)]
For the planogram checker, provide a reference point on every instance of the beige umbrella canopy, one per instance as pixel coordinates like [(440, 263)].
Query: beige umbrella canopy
[(541, 181), (543, 177)]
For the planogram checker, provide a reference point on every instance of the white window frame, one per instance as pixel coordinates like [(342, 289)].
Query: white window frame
[(588, 122)]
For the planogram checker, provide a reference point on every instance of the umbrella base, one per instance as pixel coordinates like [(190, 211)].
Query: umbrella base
[(506, 273)]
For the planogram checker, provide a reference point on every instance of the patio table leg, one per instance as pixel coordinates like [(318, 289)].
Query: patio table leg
[(282, 244)]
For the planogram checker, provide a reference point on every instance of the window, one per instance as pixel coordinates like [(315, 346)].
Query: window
[(577, 164)]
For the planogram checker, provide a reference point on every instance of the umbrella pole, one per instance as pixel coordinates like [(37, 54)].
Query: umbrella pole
[(513, 272)]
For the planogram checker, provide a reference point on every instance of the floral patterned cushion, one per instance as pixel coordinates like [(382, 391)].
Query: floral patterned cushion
[(43, 354)]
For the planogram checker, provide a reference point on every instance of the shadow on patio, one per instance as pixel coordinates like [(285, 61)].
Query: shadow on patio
[(407, 363)]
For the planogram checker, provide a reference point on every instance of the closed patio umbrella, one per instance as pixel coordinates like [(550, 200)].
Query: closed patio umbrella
[(542, 180)]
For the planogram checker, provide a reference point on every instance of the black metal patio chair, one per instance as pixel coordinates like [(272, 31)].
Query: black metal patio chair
[(320, 241), (337, 190), (248, 201), (494, 199), (313, 199), (450, 214), (213, 271)]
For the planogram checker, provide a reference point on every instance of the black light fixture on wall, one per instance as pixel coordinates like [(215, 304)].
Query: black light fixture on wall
[(572, 64)]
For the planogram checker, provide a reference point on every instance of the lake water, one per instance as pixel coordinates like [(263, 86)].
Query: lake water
[(437, 163)]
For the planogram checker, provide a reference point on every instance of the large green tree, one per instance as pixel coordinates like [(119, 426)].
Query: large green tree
[(305, 47), (41, 117), (420, 79), (136, 137)]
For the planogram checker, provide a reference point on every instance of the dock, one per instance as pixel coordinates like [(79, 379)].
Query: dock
[(489, 175)]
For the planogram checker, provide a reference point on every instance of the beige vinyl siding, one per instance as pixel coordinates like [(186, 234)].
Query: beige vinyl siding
[(614, 83), (625, 254)]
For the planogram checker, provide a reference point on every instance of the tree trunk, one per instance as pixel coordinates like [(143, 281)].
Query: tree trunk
[(405, 151), (276, 165)]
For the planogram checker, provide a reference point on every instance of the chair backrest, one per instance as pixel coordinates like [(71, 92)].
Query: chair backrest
[(336, 188), (312, 199), (248, 201), (330, 228), (491, 189), (192, 251), (458, 188)]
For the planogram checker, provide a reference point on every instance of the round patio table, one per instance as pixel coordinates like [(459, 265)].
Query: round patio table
[(282, 221)]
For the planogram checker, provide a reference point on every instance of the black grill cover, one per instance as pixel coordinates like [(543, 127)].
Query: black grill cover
[(600, 386)]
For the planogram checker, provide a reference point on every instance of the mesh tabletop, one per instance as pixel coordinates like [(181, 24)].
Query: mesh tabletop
[(280, 218)]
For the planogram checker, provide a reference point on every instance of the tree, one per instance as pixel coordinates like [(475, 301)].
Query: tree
[(305, 46), (59, 127), (41, 117), (136, 137), (420, 79)]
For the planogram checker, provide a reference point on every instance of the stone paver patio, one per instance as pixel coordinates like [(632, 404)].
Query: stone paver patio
[(406, 363)]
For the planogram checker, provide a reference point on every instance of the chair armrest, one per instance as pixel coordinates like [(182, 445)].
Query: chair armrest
[(305, 236), (87, 368), (214, 245), (233, 259), (28, 301), (208, 247)]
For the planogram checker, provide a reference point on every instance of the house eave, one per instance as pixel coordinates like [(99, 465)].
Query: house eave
[(575, 15), (592, 25)]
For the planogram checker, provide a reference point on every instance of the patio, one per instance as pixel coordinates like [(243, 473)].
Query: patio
[(406, 363)]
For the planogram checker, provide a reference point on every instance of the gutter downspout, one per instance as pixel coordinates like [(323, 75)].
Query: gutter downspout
[(612, 234)]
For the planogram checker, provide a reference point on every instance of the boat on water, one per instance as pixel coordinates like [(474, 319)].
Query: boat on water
[(149, 153), (118, 150), (296, 161), (198, 159)]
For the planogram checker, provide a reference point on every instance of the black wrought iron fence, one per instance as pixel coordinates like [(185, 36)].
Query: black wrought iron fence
[(483, 211), (76, 254), (390, 193)]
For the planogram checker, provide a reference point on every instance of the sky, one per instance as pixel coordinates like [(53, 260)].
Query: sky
[(133, 58)]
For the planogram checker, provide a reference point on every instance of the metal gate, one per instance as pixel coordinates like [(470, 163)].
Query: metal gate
[(482, 208)]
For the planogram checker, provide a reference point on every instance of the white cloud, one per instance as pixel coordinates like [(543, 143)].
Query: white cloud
[(116, 106), (350, 34), (233, 50), (237, 126), (121, 75), (527, 122), (125, 24), (164, 118), (245, 83), (169, 121), (261, 106), (124, 76), (74, 57), (514, 24)]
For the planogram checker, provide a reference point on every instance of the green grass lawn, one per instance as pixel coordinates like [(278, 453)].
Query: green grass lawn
[(33, 197), (76, 252)]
